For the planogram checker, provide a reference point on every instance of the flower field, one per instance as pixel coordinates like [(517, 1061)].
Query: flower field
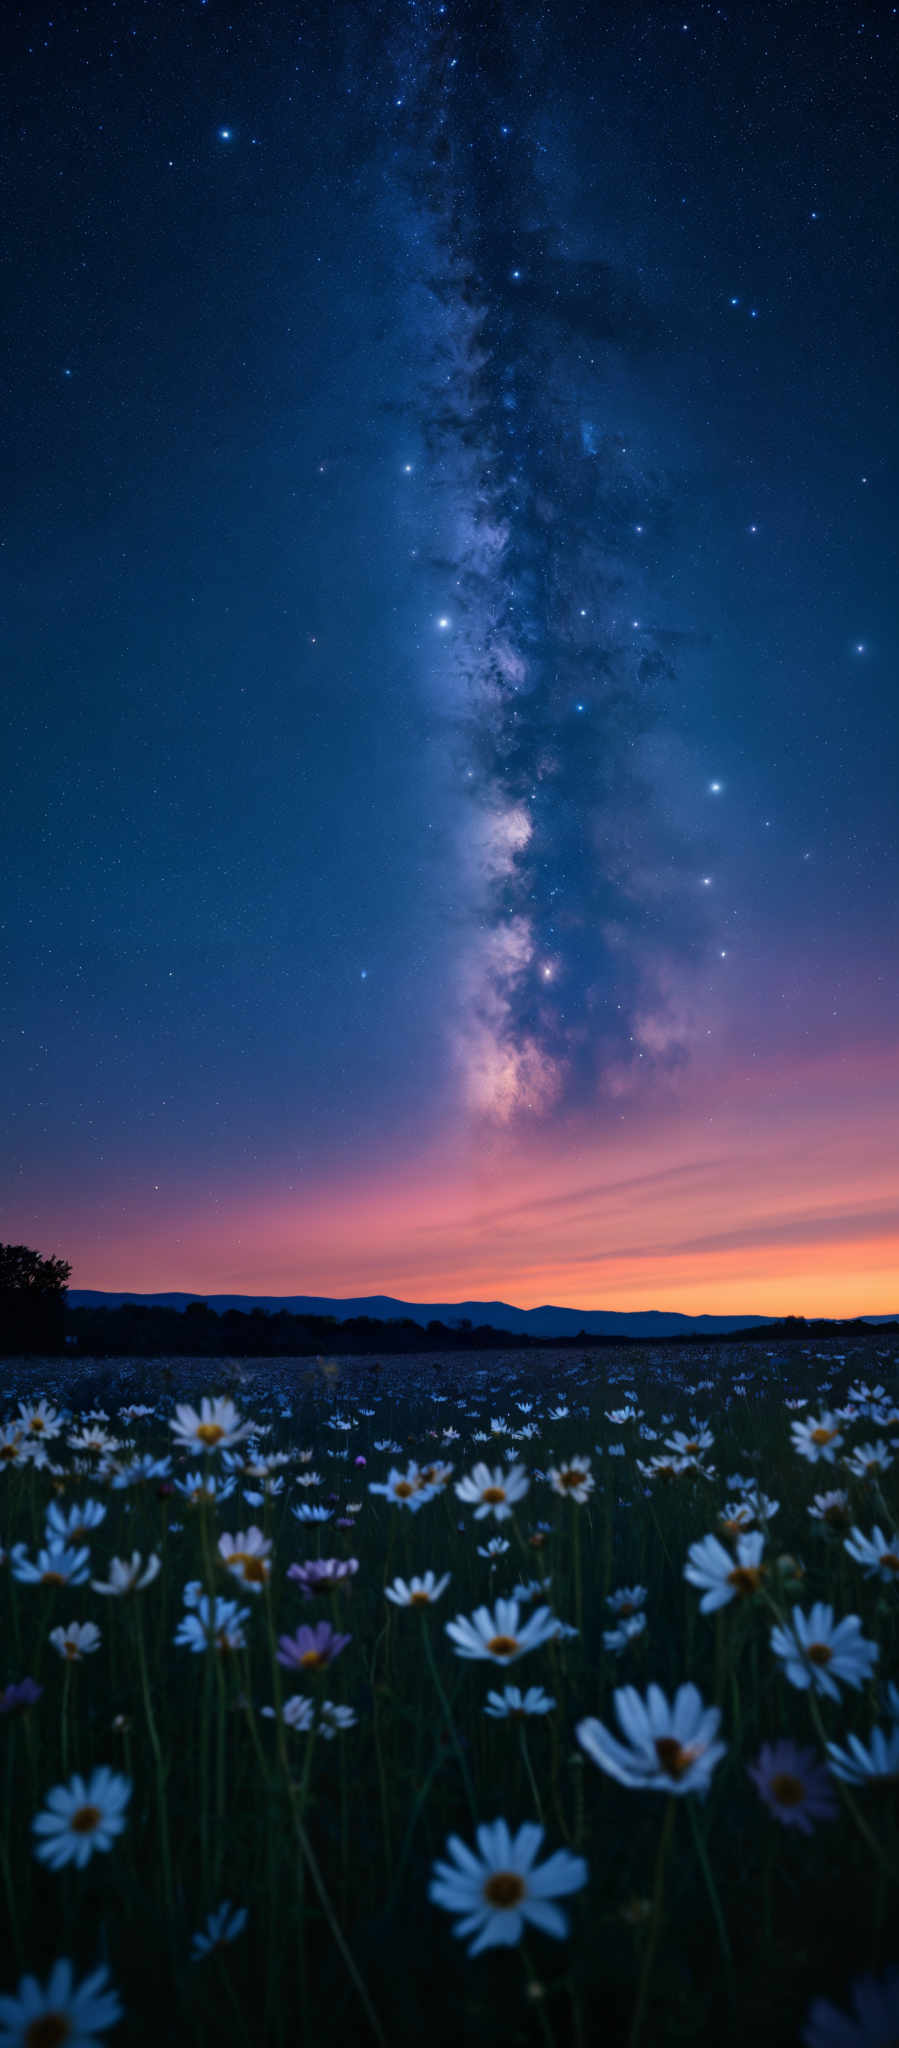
[(544, 1699)]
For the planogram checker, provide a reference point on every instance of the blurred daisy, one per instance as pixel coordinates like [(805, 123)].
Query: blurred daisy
[(212, 1624), (876, 1764), (248, 1556), (74, 1526), (334, 1720), (686, 1446), (793, 1784), (497, 1636), (322, 1574), (817, 1438), (421, 1592), (16, 1698), (500, 1891), (128, 1575), (215, 1428), (62, 2012), (832, 1508), (868, 1460), (493, 1491), (298, 1713), (875, 2024), (815, 1653), (80, 1817), (76, 1641), (200, 1487), (711, 1566), (626, 1601), (56, 1565), (616, 1639), (37, 1418), (496, 1547), (511, 1704), (574, 1479), (673, 1748), (876, 1552), (403, 1488), (224, 1924)]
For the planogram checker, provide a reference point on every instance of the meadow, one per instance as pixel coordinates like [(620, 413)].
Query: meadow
[(348, 1702)]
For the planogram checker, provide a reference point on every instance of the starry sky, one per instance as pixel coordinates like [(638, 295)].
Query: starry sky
[(449, 821)]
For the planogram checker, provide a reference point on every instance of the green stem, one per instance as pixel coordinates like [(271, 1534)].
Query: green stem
[(530, 1771), (448, 1717), (655, 1923)]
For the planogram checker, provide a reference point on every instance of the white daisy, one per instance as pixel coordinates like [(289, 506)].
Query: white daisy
[(62, 2012), (215, 1428), (618, 1638), (627, 1600), (76, 1641), (334, 1720), (711, 1566), (80, 1817), (673, 1748), (512, 1704), (879, 1554), (877, 1764), (815, 1653), (56, 1565), (224, 1924), (248, 1556), (497, 1636), (869, 1459), (420, 1592), (500, 1891), (496, 1547), (76, 1524), (128, 1575), (493, 1491), (817, 1438), (573, 1479)]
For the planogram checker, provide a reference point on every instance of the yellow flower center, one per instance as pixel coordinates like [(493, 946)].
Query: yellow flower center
[(819, 1653), (53, 1579), (572, 1477), (313, 1659), (209, 1432), (822, 1436), (891, 1560), (492, 1494), (745, 1578), (504, 1888), (692, 1448), (35, 1425), (673, 1757), (85, 1820), (9, 1452), (402, 1489), (787, 1790), (48, 2030), (502, 1646), (419, 1599)]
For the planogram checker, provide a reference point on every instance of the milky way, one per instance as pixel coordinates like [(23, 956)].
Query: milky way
[(548, 669)]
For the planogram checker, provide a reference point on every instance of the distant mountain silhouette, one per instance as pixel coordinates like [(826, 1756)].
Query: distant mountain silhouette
[(535, 1322)]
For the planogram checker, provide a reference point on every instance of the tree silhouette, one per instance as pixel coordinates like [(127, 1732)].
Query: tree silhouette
[(32, 1301)]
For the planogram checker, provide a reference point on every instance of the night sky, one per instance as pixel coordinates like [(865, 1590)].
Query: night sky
[(450, 722)]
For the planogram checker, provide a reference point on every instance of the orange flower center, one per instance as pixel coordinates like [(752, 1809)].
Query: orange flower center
[(403, 1489), (502, 1646), (673, 1757), (48, 2030), (493, 1494), (787, 1790), (822, 1436), (53, 1579), (504, 1888), (85, 1820), (209, 1432), (419, 1599), (891, 1560), (313, 1659), (745, 1578)]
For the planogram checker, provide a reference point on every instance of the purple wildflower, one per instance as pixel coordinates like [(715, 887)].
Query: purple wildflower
[(310, 1649), (17, 1697), (793, 1784)]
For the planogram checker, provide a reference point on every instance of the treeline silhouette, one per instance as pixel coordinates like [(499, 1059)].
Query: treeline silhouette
[(137, 1330)]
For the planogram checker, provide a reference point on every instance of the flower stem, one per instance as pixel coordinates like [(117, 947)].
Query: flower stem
[(655, 1923)]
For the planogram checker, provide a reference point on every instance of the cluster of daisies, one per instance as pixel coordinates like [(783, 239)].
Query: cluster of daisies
[(498, 1887)]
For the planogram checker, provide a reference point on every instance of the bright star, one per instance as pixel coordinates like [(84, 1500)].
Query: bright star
[(225, 134), (707, 881), (859, 647), (715, 788), (443, 624), (407, 469)]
